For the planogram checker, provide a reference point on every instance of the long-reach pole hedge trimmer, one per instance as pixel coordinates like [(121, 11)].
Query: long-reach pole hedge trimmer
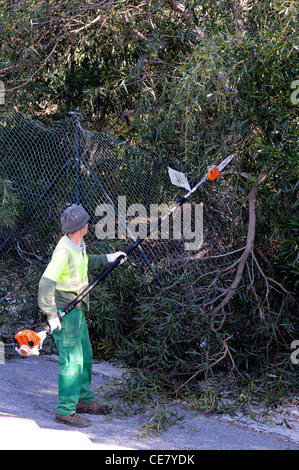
[(30, 343)]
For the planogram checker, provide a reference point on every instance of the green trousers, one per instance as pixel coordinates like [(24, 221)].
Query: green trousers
[(75, 362)]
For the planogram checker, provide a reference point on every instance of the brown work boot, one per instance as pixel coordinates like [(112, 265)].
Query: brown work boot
[(72, 420), (92, 408)]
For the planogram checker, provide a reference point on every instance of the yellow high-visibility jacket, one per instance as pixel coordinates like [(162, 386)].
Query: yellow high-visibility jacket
[(66, 276)]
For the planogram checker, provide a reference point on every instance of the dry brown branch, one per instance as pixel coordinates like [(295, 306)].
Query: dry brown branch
[(95, 20), (252, 288), (38, 70), (204, 258), (139, 36), (264, 258), (265, 278), (182, 10), (202, 369), (242, 173), (230, 291)]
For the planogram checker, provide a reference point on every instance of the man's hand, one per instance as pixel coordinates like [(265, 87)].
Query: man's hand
[(54, 324), (111, 257)]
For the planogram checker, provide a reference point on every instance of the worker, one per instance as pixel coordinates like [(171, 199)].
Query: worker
[(65, 277)]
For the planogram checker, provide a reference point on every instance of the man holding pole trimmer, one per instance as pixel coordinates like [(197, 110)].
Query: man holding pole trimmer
[(64, 279)]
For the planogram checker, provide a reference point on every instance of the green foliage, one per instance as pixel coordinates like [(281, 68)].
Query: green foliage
[(9, 203), (112, 302), (235, 94), (194, 83), (110, 319)]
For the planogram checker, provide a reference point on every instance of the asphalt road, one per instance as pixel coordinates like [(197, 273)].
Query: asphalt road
[(28, 398)]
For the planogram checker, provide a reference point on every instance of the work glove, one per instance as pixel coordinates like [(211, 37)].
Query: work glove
[(54, 324), (111, 257)]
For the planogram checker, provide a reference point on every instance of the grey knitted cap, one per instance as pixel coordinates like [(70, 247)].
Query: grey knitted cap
[(74, 218)]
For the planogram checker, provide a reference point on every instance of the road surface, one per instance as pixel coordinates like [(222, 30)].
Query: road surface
[(28, 398)]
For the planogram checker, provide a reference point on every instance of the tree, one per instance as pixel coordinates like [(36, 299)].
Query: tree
[(194, 81)]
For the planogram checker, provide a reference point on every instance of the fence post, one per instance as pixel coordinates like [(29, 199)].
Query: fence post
[(76, 115)]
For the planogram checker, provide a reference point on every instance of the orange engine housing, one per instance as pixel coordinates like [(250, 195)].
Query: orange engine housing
[(28, 337), (213, 173)]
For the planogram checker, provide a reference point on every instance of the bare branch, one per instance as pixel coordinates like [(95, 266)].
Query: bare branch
[(181, 8), (249, 244), (95, 20), (38, 70), (203, 258), (137, 33), (242, 173), (202, 369)]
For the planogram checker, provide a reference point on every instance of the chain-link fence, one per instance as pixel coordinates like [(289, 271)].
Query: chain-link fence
[(43, 169)]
